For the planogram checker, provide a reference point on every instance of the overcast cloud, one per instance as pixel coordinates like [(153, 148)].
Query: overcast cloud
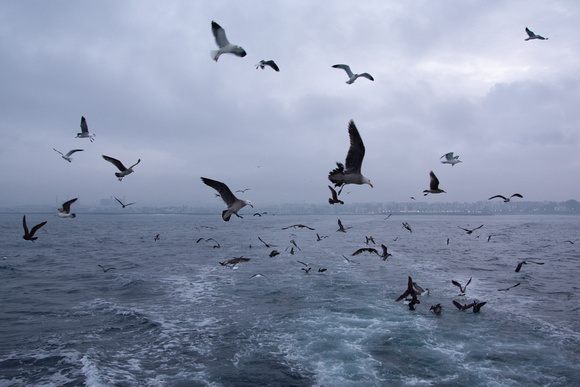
[(449, 76)]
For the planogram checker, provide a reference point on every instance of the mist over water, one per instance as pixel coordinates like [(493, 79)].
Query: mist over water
[(170, 314)]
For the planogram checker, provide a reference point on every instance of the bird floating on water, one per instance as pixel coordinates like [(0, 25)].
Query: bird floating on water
[(225, 47), (68, 157), (234, 204), (450, 159), (433, 185), (506, 200), (351, 76), (29, 235), (64, 211), (263, 63), (354, 158), (85, 131), (531, 35), (124, 171)]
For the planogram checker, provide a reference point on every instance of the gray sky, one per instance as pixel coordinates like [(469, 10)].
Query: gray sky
[(449, 76)]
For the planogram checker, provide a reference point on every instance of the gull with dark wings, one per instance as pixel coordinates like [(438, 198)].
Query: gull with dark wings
[(410, 292), (68, 157), (85, 130), (64, 211), (463, 289), (225, 47), (531, 35), (124, 171), (351, 76), (506, 200), (433, 185), (234, 204), (263, 63), (519, 267), (341, 228), (470, 231), (29, 235), (121, 203), (299, 226), (351, 174), (334, 199)]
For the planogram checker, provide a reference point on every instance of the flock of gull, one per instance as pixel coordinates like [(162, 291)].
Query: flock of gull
[(345, 173)]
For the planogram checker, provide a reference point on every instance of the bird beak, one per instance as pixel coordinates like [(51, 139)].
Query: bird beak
[(371, 185), (251, 206)]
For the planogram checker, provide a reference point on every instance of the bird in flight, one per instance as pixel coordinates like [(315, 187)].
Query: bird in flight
[(64, 211), (433, 185), (68, 157), (85, 130), (351, 76), (531, 35), (121, 203), (124, 171), (450, 159), (354, 158), (234, 204), (263, 63), (506, 200), (225, 47), (29, 235), (470, 231)]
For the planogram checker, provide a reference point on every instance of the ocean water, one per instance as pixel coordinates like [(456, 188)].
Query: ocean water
[(170, 314)]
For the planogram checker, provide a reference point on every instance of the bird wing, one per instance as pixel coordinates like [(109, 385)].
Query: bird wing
[(356, 152), (334, 194), (457, 305), (448, 156), (362, 250), (138, 161), (272, 64), (35, 228), (84, 127), (219, 34), (340, 224), (345, 68), (70, 152), (477, 228), (497, 196), (367, 76), (66, 205), (517, 195), (58, 151), (434, 183), (116, 163), (120, 202), (519, 267), (457, 284), (530, 33), (24, 225), (228, 197)]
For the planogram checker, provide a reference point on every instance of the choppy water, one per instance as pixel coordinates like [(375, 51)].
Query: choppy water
[(170, 314)]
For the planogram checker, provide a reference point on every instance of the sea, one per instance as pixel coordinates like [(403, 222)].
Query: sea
[(173, 312)]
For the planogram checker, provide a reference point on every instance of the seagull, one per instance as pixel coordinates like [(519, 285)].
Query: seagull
[(531, 35), (365, 249), (234, 261), (319, 237), (407, 226), (273, 253), (352, 77), (350, 260), (124, 205), (385, 254), (506, 200), (354, 158), (461, 288), (519, 267), (68, 157), (124, 171), (334, 199), (410, 292), (29, 236), (299, 226), (243, 190), (85, 130), (156, 237), (64, 211), (436, 309), (225, 47), (370, 239), (470, 231), (267, 245), (508, 288), (571, 242), (263, 63), (234, 204), (341, 228), (433, 185), (106, 269), (450, 159), (477, 306), (462, 307), (216, 246)]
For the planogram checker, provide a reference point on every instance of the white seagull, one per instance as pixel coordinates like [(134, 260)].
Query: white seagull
[(506, 200), (264, 63), (85, 130), (124, 171), (531, 35), (64, 211), (450, 159), (234, 204), (354, 158), (68, 157), (225, 47), (351, 76)]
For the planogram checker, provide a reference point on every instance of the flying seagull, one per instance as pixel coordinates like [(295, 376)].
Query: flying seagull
[(436, 309), (531, 35), (225, 47), (334, 199), (470, 231), (366, 249), (266, 244), (234, 204), (29, 235), (508, 288), (506, 200), (462, 307), (352, 77), (461, 288), (410, 292), (450, 159), (341, 228), (124, 171), (519, 267), (263, 63), (124, 205), (68, 157), (354, 158), (107, 268), (64, 211), (433, 185), (234, 261), (299, 226), (385, 254), (85, 131), (407, 226)]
